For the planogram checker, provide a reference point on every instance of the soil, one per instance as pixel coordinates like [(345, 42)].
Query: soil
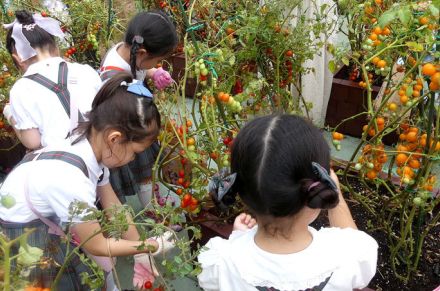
[(428, 276)]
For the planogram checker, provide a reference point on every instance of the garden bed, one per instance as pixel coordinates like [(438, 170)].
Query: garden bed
[(428, 277)]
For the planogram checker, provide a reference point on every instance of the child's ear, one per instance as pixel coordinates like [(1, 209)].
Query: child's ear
[(142, 52), (114, 137)]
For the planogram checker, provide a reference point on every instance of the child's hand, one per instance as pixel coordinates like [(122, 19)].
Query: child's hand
[(244, 222)]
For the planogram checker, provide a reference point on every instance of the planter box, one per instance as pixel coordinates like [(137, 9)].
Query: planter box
[(347, 99), (177, 62), (11, 152)]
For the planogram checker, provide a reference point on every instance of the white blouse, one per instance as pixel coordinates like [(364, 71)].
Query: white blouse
[(337, 260), (35, 106), (52, 185)]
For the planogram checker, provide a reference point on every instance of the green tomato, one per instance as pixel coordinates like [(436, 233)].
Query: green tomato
[(225, 163), (204, 72), (8, 201), (358, 166), (191, 148), (417, 201), (370, 165)]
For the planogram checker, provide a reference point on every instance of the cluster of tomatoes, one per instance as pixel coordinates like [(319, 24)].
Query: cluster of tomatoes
[(149, 286), (363, 84), (337, 137), (372, 160), (433, 72), (232, 104), (187, 201), (371, 131)]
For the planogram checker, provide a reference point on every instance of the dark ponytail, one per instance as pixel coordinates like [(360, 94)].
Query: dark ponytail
[(272, 156), (37, 37), (153, 31), (136, 117)]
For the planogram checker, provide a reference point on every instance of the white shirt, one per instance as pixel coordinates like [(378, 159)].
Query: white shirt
[(345, 257), (52, 185), (35, 106), (113, 59)]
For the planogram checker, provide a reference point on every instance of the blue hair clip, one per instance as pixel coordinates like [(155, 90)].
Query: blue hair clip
[(221, 183), (323, 176), (138, 88)]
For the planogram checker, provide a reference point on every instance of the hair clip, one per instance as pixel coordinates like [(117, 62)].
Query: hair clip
[(124, 83), (323, 176), (29, 27), (138, 39), (221, 183), (138, 88)]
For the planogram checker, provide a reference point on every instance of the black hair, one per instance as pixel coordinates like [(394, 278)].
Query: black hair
[(116, 108), (37, 37), (153, 31), (272, 156)]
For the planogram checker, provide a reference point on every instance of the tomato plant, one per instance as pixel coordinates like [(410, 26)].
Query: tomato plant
[(395, 42)]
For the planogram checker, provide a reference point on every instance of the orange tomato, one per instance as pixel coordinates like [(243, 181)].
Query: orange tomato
[(381, 64), (377, 30), (380, 121), (428, 69), (373, 36), (401, 159), (413, 163), (375, 60), (404, 99), (423, 20), (436, 78), (411, 136), (386, 31), (372, 174)]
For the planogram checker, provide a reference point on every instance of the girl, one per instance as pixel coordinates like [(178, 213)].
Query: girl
[(150, 37), (284, 181), (123, 121), (52, 96)]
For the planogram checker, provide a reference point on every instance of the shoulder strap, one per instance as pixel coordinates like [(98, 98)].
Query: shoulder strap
[(60, 88), (108, 72), (67, 157)]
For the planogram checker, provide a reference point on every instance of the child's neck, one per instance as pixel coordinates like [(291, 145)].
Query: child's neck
[(124, 51), (296, 240)]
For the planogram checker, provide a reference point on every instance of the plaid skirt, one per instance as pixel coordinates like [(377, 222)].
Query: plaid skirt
[(53, 257), (125, 179)]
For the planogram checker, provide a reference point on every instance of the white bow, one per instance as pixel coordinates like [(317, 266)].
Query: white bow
[(22, 45)]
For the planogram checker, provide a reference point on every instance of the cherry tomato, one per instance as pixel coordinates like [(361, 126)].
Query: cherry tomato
[(148, 285)]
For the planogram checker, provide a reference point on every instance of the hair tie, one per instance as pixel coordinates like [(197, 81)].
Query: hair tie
[(22, 45), (138, 39), (313, 185)]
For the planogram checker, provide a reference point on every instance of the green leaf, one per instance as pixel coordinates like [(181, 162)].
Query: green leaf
[(434, 10), (332, 66), (436, 3), (414, 46), (386, 18), (405, 15), (345, 61)]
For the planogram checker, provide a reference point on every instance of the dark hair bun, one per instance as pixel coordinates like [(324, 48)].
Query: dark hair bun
[(24, 17), (319, 195)]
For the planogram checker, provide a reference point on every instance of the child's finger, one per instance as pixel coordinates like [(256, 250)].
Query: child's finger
[(252, 222), (247, 218)]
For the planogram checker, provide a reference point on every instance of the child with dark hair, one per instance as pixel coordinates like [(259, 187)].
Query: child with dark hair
[(123, 121), (150, 37), (282, 174), (53, 95)]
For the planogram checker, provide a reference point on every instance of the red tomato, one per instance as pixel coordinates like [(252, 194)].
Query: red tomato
[(148, 285)]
